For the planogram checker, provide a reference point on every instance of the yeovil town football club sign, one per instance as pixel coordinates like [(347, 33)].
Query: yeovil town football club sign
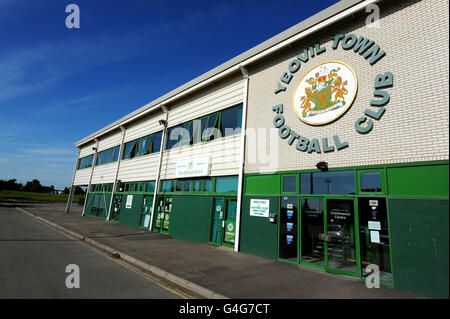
[(325, 92)]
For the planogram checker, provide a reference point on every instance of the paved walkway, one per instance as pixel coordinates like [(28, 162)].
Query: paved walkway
[(231, 274)]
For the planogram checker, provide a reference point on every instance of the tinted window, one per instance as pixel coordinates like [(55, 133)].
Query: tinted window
[(289, 184), (339, 182), (370, 182), (207, 185), (187, 186), (179, 187), (227, 184), (231, 121), (156, 146)]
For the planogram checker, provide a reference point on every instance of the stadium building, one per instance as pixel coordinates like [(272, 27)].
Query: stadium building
[(324, 146)]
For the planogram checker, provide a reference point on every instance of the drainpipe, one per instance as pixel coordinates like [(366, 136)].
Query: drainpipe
[(123, 129), (94, 160), (72, 190), (158, 172), (242, 161)]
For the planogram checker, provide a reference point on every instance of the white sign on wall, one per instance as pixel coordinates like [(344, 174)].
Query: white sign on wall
[(259, 207), (129, 201), (192, 167)]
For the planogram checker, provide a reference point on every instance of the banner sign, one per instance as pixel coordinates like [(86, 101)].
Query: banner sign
[(193, 167), (259, 207)]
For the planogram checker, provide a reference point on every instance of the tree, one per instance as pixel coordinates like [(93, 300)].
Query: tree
[(66, 190)]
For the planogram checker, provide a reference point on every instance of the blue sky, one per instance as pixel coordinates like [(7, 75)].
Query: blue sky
[(58, 85)]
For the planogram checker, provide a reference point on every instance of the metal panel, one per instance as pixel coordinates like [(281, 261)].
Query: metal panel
[(141, 168)]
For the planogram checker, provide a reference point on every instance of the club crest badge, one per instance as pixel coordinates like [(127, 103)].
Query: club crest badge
[(325, 93)]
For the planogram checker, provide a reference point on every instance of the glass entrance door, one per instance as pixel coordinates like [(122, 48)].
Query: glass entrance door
[(340, 236), (328, 238), (216, 222), (312, 239)]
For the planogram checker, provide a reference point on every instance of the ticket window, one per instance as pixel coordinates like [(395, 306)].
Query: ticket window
[(374, 236)]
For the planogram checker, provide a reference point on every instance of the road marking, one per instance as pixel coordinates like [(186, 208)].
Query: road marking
[(137, 271)]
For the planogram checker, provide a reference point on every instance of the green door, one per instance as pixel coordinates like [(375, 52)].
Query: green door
[(216, 223), (165, 217), (159, 216), (146, 211), (230, 222)]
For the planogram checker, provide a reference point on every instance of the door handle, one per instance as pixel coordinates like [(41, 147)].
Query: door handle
[(223, 223)]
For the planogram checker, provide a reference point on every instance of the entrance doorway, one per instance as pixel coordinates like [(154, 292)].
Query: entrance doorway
[(163, 214), (146, 211), (117, 204), (328, 236), (223, 221)]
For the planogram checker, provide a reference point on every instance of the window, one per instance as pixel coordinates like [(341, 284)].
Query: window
[(143, 146), (226, 184), (337, 182), (197, 185), (187, 186), (370, 181), (207, 128), (290, 184), (167, 186), (85, 162), (156, 146), (179, 186), (108, 156), (150, 188), (207, 185), (231, 121)]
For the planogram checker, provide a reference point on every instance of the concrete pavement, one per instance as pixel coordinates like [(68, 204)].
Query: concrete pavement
[(219, 270), (34, 257)]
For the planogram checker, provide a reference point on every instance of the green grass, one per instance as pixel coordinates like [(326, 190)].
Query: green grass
[(43, 197)]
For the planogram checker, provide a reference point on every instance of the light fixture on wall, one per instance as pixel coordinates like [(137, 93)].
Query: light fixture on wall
[(94, 148), (323, 166), (162, 122)]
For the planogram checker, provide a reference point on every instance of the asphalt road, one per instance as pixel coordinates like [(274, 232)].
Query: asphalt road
[(34, 257)]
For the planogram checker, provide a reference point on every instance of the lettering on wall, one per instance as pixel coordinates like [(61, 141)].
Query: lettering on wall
[(325, 93)]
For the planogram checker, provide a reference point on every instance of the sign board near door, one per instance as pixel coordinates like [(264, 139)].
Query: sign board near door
[(129, 201), (192, 167), (259, 207)]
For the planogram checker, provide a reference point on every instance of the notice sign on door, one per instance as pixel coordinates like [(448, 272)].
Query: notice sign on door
[(230, 227), (259, 207), (129, 203)]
